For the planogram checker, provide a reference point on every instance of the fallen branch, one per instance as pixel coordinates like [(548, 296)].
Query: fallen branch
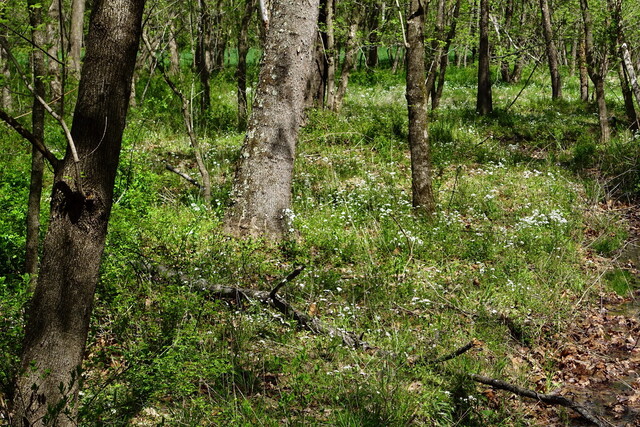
[(183, 175), (550, 399), (270, 298)]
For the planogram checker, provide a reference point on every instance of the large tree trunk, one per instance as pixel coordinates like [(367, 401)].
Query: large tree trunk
[(484, 102), (421, 186), (241, 71), (261, 194), (596, 72), (37, 129), (75, 36), (552, 52), (58, 317)]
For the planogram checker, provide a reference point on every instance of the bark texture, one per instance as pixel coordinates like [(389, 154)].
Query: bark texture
[(421, 186), (261, 195), (484, 102), (58, 317)]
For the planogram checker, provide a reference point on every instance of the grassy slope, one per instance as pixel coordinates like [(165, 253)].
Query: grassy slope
[(503, 261)]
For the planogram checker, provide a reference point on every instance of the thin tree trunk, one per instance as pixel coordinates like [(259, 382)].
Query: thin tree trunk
[(37, 159), (421, 185), (58, 318), (331, 56), (633, 79), (75, 36), (627, 96), (373, 23), (484, 103), (596, 72), (241, 71), (174, 53), (437, 93), (203, 53), (6, 100), (261, 193), (552, 51), (53, 39), (348, 65), (582, 72), (437, 45)]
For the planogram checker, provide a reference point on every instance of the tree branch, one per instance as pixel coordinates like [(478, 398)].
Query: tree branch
[(550, 399), (60, 119), (26, 134), (182, 175)]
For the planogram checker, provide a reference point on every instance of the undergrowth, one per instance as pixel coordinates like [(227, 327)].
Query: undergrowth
[(503, 260)]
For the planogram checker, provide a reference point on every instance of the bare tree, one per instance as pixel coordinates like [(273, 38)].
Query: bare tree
[(58, 318), (261, 193), (421, 185)]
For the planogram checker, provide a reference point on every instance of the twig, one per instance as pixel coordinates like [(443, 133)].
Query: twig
[(550, 399)]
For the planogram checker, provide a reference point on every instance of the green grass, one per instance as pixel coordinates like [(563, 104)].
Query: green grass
[(510, 240)]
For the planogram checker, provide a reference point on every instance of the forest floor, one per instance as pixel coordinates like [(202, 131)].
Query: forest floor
[(598, 356)]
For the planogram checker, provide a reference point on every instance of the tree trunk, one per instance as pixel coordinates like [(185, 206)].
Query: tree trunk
[(75, 36), (53, 39), (317, 81), (348, 64), (484, 104), (58, 317), (436, 94), (505, 68), (37, 159), (261, 193), (633, 79), (596, 72), (552, 52), (437, 46), (373, 22), (6, 101), (174, 53), (331, 56), (582, 72), (421, 186), (627, 95), (241, 71), (204, 60)]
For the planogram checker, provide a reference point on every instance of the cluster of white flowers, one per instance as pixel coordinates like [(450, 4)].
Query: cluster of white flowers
[(538, 219)]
